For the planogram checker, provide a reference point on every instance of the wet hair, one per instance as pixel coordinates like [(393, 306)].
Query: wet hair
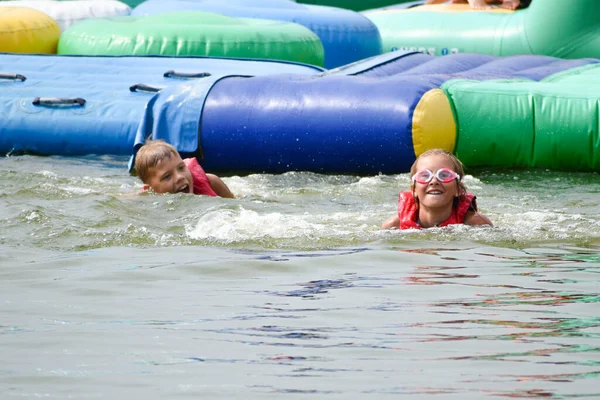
[(149, 155), (457, 167)]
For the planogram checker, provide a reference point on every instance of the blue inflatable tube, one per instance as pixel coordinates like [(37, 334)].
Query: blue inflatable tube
[(108, 121), (346, 36), (354, 120), (325, 125)]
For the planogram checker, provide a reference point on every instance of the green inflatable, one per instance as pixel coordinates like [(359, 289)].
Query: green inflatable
[(551, 124), (559, 28), (189, 33)]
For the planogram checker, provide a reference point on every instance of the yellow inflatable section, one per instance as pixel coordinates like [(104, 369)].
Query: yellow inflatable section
[(433, 124), (25, 30)]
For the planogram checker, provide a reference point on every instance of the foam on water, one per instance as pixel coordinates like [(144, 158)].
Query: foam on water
[(242, 225), (78, 203)]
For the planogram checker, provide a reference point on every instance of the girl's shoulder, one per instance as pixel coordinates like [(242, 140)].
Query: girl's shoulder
[(476, 218)]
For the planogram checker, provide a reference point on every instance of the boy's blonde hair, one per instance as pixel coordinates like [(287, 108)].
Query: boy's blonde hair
[(150, 154), (458, 168)]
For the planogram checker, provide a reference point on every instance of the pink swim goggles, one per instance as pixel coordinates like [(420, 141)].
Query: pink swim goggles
[(443, 175)]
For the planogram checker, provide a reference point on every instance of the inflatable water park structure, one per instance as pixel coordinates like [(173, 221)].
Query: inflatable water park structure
[(283, 86)]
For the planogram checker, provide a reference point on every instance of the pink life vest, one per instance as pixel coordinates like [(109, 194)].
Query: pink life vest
[(409, 215), (201, 182)]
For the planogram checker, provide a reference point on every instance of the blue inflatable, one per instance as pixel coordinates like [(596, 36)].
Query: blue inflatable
[(353, 120), (346, 36), (93, 105), (243, 116)]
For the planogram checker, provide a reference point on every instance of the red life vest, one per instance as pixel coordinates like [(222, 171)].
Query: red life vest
[(409, 214), (201, 182)]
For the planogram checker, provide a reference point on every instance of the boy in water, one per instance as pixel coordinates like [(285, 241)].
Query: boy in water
[(161, 169)]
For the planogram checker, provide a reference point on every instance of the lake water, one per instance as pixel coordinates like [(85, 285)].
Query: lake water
[(292, 290)]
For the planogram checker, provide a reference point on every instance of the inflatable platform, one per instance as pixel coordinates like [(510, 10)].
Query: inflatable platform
[(370, 117), (69, 105), (193, 33), (67, 13), (25, 30), (243, 116), (558, 28), (346, 36), (553, 123)]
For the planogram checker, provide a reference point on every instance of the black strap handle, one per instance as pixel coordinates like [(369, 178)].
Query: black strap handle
[(175, 74), (13, 77), (58, 101), (144, 88)]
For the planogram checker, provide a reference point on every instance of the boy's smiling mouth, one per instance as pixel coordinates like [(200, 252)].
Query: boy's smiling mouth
[(184, 189)]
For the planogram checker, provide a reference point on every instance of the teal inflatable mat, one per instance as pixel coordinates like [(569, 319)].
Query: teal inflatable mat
[(93, 105)]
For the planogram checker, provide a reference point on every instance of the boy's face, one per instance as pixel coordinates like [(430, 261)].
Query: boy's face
[(170, 175)]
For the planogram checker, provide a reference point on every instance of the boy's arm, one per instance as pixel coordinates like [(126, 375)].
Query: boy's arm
[(219, 186)]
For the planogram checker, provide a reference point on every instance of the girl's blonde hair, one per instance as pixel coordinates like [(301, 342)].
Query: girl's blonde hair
[(150, 154)]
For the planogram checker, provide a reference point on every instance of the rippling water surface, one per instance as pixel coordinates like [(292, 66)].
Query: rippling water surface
[(292, 290)]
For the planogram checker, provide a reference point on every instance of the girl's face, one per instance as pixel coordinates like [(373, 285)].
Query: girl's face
[(435, 194)]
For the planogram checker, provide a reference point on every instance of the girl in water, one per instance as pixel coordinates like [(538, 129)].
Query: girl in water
[(437, 195)]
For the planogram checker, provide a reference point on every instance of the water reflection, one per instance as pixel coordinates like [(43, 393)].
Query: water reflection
[(292, 288)]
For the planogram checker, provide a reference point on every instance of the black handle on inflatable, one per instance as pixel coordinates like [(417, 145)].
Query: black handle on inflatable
[(14, 77), (144, 88), (58, 101), (175, 74)]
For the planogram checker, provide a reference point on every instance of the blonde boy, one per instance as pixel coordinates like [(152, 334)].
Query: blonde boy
[(162, 170)]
